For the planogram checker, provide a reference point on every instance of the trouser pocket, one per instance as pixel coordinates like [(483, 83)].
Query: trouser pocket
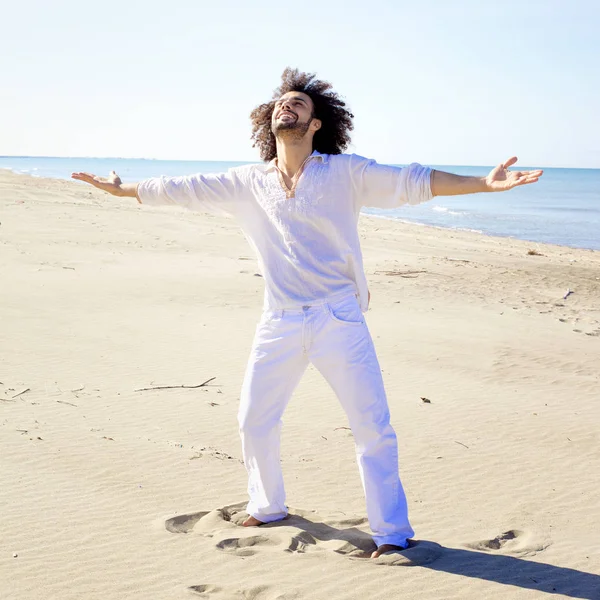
[(346, 311)]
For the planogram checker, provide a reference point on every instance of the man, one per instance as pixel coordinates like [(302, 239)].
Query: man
[(299, 210)]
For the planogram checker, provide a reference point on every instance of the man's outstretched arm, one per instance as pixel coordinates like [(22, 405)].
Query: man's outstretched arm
[(218, 194), (499, 179), (111, 184)]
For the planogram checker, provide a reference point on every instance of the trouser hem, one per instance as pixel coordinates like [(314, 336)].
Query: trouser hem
[(267, 518), (394, 540)]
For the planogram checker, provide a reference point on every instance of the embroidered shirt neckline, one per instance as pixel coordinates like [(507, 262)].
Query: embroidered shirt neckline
[(290, 192)]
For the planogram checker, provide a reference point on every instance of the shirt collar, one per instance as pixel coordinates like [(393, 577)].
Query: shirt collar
[(272, 164)]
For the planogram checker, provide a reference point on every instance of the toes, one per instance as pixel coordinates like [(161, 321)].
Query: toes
[(386, 549), (252, 522)]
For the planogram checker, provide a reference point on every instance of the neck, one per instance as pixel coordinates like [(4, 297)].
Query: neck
[(291, 154)]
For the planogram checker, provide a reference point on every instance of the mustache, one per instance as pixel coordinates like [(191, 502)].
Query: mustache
[(287, 111)]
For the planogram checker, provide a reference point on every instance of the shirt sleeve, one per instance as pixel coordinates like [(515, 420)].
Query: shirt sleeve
[(387, 186), (216, 194)]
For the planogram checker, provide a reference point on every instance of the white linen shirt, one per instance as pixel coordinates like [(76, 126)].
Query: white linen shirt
[(308, 246)]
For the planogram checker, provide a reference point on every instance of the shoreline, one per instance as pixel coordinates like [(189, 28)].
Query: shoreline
[(477, 232), (363, 215)]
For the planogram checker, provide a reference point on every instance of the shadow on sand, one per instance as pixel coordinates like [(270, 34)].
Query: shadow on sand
[(499, 568), (518, 572)]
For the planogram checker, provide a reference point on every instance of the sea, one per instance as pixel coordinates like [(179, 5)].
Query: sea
[(562, 208)]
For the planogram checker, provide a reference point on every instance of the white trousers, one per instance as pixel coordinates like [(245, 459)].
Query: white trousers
[(334, 338)]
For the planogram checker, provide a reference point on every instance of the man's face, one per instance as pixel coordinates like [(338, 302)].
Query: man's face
[(293, 113)]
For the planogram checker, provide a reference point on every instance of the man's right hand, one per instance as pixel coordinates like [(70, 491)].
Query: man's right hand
[(111, 184)]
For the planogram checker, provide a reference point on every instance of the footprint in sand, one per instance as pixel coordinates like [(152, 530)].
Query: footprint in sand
[(207, 522), (183, 523), (300, 532), (301, 542), (261, 592), (513, 541), (204, 591), (244, 546)]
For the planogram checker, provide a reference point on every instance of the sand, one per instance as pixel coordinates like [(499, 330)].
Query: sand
[(108, 492)]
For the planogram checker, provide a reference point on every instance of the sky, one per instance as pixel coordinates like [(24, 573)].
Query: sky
[(441, 82)]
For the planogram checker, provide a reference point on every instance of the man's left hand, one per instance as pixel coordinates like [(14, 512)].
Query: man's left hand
[(501, 179)]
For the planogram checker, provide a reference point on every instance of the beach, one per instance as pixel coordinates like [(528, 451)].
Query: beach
[(113, 489)]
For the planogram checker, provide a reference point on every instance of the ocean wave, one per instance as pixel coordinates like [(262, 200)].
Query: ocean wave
[(446, 210), (33, 172), (29, 172), (423, 224), (571, 209)]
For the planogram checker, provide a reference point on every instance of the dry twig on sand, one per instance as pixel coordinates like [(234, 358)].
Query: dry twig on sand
[(172, 387), (406, 274)]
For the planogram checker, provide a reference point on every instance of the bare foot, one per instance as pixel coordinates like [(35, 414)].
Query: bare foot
[(252, 522), (386, 548)]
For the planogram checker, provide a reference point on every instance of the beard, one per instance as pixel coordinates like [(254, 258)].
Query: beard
[(291, 130)]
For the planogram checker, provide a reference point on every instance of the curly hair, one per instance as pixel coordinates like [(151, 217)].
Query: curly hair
[(334, 135)]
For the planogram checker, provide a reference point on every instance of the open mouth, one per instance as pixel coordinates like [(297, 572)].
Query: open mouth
[(288, 115)]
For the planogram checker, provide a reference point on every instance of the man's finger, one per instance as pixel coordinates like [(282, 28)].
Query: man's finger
[(534, 173), (81, 177), (89, 177), (527, 180), (510, 162), (94, 180)]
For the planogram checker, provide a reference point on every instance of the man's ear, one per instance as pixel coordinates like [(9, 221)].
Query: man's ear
[(316, 125)]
